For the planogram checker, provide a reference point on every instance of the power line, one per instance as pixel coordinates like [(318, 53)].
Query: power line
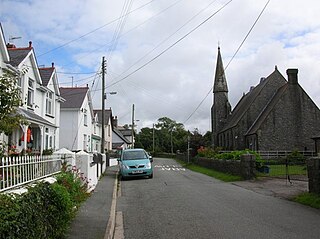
[(94, 30), (109, 44), (167, 38), (168, 48), (245, 38)]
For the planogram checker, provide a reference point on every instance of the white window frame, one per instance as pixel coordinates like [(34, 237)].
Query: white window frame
[(85, 145), (49, 103), (30, 94), (85, 117)]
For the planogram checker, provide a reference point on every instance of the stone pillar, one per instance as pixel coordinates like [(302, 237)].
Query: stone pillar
[(247, 166), (313, 165)]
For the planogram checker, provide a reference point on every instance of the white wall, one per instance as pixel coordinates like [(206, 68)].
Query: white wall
[(68, 128)]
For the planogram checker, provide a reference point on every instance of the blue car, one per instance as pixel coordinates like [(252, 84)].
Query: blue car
[(135, 162)]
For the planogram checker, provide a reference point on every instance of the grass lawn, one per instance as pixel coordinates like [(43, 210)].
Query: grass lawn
[(280, 170), (210, 172), (309, 199)]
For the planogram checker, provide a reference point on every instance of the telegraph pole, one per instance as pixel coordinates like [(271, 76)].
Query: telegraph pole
[(132, 128), (102, 108), (153, 138)]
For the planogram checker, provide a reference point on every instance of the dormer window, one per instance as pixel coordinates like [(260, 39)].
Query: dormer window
[(30, 97), (49, 103)]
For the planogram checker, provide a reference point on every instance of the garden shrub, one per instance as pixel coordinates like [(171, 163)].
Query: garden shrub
[(45, 211)]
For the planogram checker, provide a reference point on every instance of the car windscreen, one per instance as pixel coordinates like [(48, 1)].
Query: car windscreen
[(132, 155)]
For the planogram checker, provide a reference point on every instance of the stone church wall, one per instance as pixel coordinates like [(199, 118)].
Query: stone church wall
[(294, 120)]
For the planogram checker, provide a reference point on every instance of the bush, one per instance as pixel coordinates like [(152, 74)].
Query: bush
[(234, 155), (45, 211)]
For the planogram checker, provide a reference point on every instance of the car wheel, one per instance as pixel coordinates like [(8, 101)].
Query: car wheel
[(151, 175)]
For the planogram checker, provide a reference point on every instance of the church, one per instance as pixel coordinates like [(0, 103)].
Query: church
[(275, 115)]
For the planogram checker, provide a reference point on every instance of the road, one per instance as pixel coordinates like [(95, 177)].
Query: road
[(178, 203)]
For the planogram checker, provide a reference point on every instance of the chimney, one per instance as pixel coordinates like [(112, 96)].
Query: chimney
[(52, 64), (30, 44), (115, 121), (292, 76), (10, 46)]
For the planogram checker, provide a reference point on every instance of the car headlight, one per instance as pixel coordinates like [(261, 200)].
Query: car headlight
[(125, 166), (148, 165)]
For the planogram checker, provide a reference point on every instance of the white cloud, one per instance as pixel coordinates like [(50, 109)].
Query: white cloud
[(287, 35)]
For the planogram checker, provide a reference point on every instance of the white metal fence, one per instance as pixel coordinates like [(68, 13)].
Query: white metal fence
[(19, 170)]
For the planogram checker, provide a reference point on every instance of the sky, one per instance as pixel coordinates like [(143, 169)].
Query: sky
[(161, 54)]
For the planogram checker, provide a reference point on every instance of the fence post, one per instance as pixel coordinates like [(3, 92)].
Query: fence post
[(247, 165), (313, 165)]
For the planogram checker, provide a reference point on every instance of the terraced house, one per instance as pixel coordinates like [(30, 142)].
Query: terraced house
[(41, 100)]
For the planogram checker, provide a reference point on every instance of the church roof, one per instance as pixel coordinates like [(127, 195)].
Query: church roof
[(248, 99), (266, 111), (220, 82)]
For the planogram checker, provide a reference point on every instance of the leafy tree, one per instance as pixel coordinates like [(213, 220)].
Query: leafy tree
[(169, 136), (10, 99)]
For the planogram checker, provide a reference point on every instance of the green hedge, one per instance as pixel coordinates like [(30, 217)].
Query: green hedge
[(45, 211)]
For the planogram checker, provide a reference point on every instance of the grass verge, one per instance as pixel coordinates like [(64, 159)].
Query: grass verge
[(309, 199), (210, 172)]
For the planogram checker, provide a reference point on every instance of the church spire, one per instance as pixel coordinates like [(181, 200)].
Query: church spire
[(220, 82), (221, 107)]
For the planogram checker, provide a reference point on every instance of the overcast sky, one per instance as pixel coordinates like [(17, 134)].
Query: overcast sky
[(76, 34)]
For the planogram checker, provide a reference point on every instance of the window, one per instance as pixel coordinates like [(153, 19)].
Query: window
[(49, 103), (46, 146), (85, 117), (84, 142), (30, 93)]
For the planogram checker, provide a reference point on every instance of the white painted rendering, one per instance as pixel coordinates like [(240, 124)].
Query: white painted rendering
[(75, 134)]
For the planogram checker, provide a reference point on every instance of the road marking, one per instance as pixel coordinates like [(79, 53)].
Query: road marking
[(170, 168)]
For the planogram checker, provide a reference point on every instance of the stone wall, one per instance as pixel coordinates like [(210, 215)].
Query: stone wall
[(313, 165), (244, 167)]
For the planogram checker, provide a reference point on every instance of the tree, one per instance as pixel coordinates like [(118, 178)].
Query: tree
[(10, 100), (170, 136)]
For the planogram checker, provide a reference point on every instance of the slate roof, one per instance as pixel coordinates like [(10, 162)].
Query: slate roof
[(266, 111), (126, 132), (74, 96), (248, 99), (17, 55), (119, 133), (46, 74), (220, 82), (30, 115), (107, 115)]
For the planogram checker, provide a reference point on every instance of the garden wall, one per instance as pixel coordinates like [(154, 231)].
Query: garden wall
[(313, 165), (245, 167)]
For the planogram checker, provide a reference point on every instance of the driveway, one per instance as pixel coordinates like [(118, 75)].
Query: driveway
[(277, 187)]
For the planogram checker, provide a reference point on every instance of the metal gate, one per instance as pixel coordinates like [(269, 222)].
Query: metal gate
[(291, 166)]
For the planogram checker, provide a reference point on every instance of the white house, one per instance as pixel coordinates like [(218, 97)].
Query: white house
[(107, 129), (76, 118), (41, 101)]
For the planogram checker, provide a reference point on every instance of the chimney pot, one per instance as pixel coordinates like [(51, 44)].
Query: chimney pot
[(292, 76), (52, 64), (30, 44)]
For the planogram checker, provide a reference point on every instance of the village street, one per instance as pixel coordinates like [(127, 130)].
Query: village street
[(178, 203)]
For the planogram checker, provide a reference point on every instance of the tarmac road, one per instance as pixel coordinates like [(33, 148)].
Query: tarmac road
[(178, 203)]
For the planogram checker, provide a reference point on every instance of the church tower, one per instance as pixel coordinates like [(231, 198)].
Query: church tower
[(221, 108)]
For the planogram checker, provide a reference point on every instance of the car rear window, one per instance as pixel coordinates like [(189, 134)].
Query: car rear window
[(132, 155)]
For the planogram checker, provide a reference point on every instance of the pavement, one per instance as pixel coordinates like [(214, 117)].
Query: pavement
[(96, 217)]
